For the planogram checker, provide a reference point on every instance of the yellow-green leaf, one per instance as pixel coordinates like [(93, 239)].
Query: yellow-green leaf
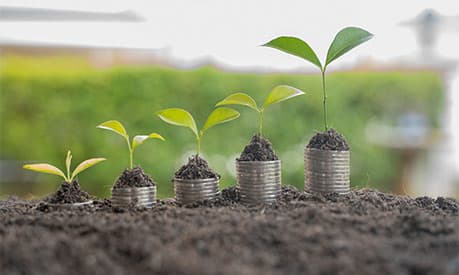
[(179, 117), (137, 140), (345, 40), (114, 126), (281, 93), (68, 161), (85, 165), (239, 99), (295, 46), (220, 115), (45, 168)]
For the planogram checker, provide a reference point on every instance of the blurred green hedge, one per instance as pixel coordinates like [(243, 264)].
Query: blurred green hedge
[(47, 109)]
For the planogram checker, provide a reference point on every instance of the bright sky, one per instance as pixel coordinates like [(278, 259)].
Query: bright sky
[(230, 31)]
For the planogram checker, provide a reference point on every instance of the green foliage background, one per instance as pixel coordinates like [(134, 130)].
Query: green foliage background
[(50, 105)]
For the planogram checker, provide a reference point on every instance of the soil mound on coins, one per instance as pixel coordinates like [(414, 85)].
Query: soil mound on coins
[(329, 140), (196, 168), (135, 177), (259, 149), (68, 193)]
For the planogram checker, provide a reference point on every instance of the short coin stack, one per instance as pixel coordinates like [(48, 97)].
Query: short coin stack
[(134, 196), (191, 190), (259, 181)]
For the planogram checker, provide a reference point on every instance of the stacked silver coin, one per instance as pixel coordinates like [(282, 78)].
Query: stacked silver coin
[(259, 181), (134, 196), (191, 190), (71, 205), (326, 171)]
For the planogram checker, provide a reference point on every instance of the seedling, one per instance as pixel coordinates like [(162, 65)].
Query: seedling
[(278, 94), (345, 40), (183, 118), (69, 177), (117, 127)]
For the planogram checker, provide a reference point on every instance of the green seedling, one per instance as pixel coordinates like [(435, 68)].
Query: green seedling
[(183, 118), (278, 94), (345, 40), (69, 177), (117, 127)]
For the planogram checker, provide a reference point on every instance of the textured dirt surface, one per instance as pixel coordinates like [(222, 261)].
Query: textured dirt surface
[(329, 140), (364, 232), (196, 168), (133, 178), (259, 149), (69, 193)]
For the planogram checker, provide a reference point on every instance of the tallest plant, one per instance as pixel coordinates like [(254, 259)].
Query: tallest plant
[(345, 40)]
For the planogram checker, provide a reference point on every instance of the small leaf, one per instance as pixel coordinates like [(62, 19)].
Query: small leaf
[(239, 99), (220, 115), (85, 165), (137, 140), (281, 93), (45, 168), (345, 40), (115, 126), (68, 162), (295, 46), (179, 117)]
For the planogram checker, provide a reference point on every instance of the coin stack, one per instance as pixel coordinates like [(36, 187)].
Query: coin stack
[(134, 196), (326, 171), (191, 190), (259, 181)]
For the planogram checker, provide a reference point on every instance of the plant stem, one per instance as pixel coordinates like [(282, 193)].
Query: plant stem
[(198, 142), (324, 100), (131, 153), (260, 125)]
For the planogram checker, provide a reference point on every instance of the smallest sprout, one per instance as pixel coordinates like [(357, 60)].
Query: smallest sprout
[(69, 177)]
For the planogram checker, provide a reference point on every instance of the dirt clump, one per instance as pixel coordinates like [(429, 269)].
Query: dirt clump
[(68, 193), (329, 140), (196, 168), (259, 149), (135, 177)]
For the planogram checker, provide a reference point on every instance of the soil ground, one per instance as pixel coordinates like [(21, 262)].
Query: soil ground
[(329, 140), (135, 177), (363, 232)]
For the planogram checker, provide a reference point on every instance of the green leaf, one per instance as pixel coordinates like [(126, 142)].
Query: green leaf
[(345, 40), (115, 126), (295, 46), (220, 115), (68, 162), (281, 93), (137, 140), (45, 168), (239, 99), (179, 117), (85, 165)]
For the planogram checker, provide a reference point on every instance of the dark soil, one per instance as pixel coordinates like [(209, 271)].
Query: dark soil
[(68, 193), (363, 232), (196, 168), (133, 178), (329, 140), (259, 149)]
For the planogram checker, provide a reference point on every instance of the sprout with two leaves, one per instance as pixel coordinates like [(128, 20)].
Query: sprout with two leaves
[(116, 127), (278, 94), (69, 176), (344, 41), (183, 118)]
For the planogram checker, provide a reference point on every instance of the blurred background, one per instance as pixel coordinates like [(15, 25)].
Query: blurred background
[(66, 66)]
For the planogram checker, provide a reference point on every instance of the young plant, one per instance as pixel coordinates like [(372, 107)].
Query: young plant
[(278, 94), (181, 117), (69, 177), (345, 40), (117, 127)]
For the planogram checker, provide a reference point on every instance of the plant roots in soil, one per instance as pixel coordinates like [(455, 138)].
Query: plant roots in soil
[(363, 232), (196, 168), (68, 193), (329, 140), (259, 149), (133, 178)]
